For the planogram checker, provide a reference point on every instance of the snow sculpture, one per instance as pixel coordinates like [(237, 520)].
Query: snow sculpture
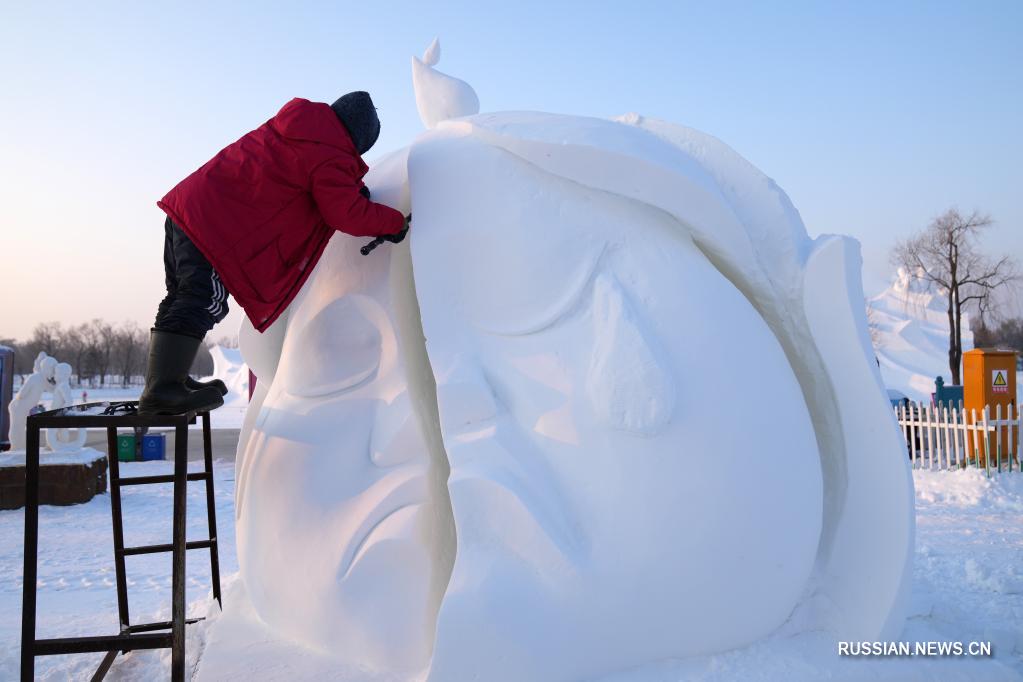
[(343, 522), (229, 367), (30, 394), (910, 321), (438, 95), (64, 439), (587, 389), (566, 476)]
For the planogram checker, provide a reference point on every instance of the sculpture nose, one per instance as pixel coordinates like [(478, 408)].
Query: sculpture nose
[(628, 385), (464, 397), (395, 438)]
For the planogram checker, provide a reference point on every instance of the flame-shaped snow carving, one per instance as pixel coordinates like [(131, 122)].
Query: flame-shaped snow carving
[(438, 95)]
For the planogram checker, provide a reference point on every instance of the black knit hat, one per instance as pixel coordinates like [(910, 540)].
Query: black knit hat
[(359, 116)]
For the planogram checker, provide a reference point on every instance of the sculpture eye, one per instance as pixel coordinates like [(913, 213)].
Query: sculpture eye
[(510, 248), (525, 284), (628, 384), (338, 349)]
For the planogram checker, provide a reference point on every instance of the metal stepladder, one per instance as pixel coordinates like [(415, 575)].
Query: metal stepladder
[(112, 416)]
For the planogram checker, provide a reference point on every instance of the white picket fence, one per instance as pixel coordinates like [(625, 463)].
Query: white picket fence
[(949, 438)]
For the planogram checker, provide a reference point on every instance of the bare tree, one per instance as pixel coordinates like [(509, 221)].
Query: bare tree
[(91, 353), (74, 345), (46, 337), (107, 336), (1007, 334), (946, 254), (127, 350)]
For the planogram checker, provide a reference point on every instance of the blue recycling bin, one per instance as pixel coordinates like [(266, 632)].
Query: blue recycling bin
[(946, 395), (154, 445)]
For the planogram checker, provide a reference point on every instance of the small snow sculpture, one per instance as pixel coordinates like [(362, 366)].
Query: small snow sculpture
[(30, 394), (438, 95), (63, 439)]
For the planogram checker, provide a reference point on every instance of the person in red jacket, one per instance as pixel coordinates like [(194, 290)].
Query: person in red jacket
[(253, 221)]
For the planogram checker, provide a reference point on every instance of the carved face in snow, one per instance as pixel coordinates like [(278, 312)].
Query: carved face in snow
[(594, 375), (623, 439), (337, 529), (583, 349)]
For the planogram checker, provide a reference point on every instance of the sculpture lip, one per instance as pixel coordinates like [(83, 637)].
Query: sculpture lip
[(537, 505), (508, 475), (407, 494)]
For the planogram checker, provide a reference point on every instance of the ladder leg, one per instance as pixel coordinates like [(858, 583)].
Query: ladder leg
[(211, 510), (104, 666), (118, 526), (28, 599), (178, 571)]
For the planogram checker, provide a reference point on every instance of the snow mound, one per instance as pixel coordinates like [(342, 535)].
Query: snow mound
[(909, 321), (970, 488), (1000, 579)]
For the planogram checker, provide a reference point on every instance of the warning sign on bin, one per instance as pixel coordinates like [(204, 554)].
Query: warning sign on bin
[(999, 381)]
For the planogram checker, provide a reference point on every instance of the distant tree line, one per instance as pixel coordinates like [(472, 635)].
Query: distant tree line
[(100, 353), (1005, 334)]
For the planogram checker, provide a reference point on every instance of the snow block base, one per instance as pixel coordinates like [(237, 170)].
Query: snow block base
[(63, 482)]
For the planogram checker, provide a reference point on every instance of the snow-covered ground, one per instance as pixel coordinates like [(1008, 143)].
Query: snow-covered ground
[(967, 586), (76, 593)]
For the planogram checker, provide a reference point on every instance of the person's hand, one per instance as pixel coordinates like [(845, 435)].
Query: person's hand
[(395, 238), (399, 237)]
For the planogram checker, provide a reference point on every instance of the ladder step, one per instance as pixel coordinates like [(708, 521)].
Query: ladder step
[(153, 549), (81, 645), (146, 480), (149, 627)]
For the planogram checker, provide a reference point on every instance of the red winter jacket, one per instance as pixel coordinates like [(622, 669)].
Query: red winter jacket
[(263, 209)]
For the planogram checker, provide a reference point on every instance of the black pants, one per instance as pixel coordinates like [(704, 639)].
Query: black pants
[(196, 299)]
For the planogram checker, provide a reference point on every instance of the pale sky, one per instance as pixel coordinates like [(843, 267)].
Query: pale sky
[(873, 116)]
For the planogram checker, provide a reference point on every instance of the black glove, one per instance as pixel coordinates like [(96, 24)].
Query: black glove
[(398, 237), (395, 238), (364, 191)]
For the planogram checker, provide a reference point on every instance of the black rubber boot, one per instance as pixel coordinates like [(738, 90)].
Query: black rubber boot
[(170, 357), (194, 385)]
